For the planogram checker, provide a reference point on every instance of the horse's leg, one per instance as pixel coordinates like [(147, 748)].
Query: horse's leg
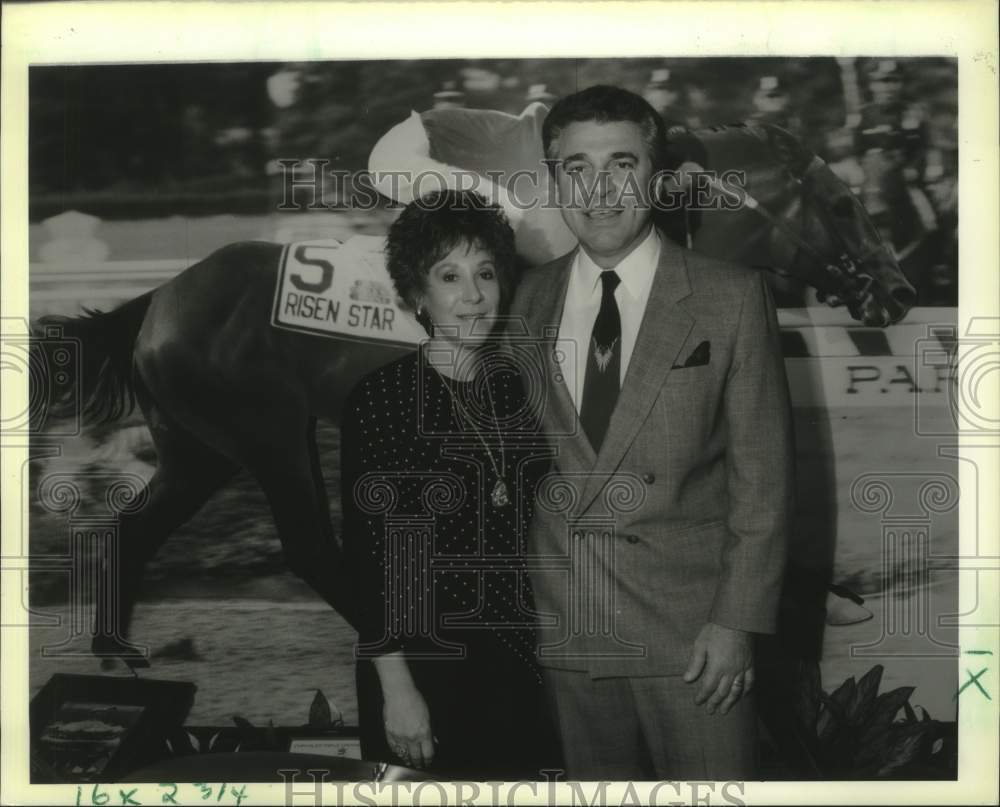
[(288, 470), (211, 360), (188, 472), (316, 469)]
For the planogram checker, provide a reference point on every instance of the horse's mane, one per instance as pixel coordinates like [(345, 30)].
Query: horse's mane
[(749, 144)]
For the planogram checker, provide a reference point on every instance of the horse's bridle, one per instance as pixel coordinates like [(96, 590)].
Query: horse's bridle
[(855, 283)]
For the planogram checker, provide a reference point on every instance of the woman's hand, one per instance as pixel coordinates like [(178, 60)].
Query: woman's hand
[(408, 727), (405, 714)]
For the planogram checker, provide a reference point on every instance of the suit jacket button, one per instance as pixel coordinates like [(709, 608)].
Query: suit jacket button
[(632, 539), (648, 478)]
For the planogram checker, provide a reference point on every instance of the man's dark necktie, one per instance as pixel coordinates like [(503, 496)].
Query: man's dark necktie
[(604, 359)]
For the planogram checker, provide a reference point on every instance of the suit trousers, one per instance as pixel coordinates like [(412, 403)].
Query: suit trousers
[(645, 728)]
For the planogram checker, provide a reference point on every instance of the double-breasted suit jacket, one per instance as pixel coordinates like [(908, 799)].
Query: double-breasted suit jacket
[(681, 517)]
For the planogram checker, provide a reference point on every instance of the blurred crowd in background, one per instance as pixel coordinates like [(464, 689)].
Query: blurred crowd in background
[(148, 141)]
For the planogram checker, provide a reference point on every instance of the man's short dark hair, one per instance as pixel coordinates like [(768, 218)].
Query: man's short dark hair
[(432, 226), (606, 104)]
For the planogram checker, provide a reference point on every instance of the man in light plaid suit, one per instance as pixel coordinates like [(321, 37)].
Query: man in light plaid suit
[(658, 544)]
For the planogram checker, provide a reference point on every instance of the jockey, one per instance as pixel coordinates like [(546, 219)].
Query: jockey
[(496, 154), (772, 104)]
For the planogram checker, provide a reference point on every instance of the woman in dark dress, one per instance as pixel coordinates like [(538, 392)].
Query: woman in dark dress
[(440, 455)]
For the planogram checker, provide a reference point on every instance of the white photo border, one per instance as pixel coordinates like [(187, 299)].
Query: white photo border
[(109, 32)]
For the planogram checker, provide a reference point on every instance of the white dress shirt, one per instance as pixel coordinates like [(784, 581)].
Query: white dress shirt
[(583, 301)]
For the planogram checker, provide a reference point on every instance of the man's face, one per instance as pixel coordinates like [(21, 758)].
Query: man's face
[(886, 89), (603, 172)]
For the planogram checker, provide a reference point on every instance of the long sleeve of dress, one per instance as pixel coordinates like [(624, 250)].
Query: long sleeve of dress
[(364, 532)]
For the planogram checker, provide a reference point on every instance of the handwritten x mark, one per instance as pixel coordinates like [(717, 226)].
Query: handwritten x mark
[(974, 679)]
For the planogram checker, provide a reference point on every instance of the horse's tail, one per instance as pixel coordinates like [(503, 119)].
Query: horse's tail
[(97, 381)]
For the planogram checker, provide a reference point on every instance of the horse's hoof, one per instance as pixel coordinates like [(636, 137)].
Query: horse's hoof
[(842, 611), (110, 651), (113, 665)]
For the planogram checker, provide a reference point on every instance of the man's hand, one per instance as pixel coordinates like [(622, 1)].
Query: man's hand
[(722, 660)]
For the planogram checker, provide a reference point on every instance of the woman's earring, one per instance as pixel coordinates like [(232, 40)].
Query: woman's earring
[(424, 319)]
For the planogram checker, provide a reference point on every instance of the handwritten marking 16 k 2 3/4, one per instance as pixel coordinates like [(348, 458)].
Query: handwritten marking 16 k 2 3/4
[(166, 793)]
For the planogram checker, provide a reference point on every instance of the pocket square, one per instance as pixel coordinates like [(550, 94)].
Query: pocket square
[(699, 356)]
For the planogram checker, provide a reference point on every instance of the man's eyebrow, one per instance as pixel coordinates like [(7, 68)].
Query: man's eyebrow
[(617, 155)]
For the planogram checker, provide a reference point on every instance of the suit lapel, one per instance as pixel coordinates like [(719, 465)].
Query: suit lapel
[(560, 415), (664, 329)]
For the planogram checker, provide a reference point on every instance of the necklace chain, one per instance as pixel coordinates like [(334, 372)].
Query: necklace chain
[(499, 494)]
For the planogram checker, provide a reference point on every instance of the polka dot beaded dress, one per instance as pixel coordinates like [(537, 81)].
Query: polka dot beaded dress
[(439, 566)]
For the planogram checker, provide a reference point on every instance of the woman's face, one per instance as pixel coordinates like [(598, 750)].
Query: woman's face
[(462, 295)]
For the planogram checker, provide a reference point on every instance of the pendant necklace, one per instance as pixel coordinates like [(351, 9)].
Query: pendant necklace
[(500, 496)]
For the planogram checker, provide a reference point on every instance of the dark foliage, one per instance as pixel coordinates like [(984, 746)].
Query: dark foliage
[(855, 732)]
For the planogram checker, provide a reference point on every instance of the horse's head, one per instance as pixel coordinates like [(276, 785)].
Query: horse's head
[(840, 251), (864, 274)]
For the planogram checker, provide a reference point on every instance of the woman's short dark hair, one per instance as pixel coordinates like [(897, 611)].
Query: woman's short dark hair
[(606, 104), (433, 225)]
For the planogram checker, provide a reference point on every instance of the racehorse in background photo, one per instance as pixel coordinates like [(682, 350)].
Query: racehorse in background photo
[(904, 216), (221, 388), (795, 219)]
